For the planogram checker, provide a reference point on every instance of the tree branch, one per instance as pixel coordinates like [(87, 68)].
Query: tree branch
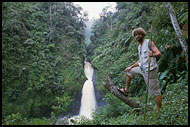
[(113, 89)]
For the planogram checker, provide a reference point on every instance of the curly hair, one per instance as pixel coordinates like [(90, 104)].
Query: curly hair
[(138, 31)]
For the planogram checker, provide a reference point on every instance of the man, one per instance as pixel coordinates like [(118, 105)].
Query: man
[(141, 66)]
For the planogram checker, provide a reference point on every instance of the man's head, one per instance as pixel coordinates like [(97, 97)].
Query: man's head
[(139, 34)]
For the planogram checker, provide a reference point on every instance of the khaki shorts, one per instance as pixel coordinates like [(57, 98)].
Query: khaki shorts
[(154, 84)]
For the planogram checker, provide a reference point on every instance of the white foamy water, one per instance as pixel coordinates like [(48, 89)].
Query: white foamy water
[(88, 99)]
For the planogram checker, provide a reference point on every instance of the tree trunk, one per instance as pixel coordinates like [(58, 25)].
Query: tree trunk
[(50, 21), (111, 23), (177, 28), (113, 89)]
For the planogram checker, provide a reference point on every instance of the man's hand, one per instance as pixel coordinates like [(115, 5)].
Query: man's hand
[(155, 52), (151, 54), (128, 69)]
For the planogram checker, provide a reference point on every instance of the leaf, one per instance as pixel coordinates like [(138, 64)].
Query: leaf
[(51, 45), (29, 41), (163, 75), (183, 18)]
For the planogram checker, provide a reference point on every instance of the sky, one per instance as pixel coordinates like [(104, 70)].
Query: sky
[(94, 8)]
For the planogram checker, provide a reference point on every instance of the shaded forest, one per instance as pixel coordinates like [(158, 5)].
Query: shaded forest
[(43, 52)]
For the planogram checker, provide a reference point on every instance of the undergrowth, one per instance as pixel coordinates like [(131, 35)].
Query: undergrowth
[(174, 110)]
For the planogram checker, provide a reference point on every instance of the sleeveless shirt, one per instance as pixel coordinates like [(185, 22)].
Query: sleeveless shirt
[(143, 57)]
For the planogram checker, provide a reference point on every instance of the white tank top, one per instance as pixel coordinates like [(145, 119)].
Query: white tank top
[(143, 57)]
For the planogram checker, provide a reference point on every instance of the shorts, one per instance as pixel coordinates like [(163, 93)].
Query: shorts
[(154, 84)]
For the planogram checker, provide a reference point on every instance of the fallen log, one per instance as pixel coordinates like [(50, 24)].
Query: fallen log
[(113, 89)]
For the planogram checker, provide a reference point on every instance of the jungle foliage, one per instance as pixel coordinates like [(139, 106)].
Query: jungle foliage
[(113, 48), (43, 49)]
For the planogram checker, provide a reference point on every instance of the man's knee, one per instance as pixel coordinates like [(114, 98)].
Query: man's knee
[(128, 76)]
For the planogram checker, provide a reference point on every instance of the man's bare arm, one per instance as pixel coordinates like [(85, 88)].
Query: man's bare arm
[(155, 52)]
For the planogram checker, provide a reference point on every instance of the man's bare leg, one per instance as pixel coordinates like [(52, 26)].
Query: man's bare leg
[(128, 79), (158, 100), (125, 90)]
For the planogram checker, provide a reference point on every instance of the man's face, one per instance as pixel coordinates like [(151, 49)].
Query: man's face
[(139, 37)]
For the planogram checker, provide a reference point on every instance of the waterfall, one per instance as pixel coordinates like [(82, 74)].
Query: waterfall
[(88, 100)]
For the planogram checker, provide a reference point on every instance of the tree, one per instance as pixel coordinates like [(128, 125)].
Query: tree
[(177, 28), (35, 71)]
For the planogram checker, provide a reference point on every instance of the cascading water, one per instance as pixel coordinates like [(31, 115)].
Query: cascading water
[(88, 100)]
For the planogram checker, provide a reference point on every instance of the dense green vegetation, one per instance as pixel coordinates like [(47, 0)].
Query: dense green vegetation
[(113, 48), (43, 49)]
